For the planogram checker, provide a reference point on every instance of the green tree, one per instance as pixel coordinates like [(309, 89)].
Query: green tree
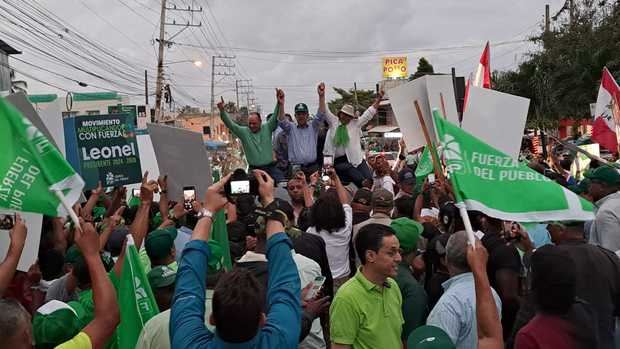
[(563, 77), (424, 68), (365, 98)]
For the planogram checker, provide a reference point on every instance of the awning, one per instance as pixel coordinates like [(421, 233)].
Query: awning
[(383, 129)]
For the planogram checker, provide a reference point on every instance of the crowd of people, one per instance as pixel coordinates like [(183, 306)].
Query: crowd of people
[(388, 250)]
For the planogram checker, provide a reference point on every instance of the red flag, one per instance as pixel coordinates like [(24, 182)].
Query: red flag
[(483, 74), (605, 129)]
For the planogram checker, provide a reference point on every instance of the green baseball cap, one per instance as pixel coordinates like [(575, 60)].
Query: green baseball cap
[(161, 276), (605, 174), (301, 108), (429, 337), (54, 323), (159, 242), (72, 254), (408, 232)]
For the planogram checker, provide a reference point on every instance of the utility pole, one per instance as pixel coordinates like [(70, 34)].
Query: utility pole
[(160, 62), (244, 88), (571, 11), (162, 43), (146, 87), (214, 64), (356, 107), (237, 93), (547, 19)]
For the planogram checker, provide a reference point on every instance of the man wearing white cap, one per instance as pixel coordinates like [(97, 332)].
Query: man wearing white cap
[(343, 140)]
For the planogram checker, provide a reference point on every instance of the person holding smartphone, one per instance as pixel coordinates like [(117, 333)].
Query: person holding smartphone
[(302, 137)]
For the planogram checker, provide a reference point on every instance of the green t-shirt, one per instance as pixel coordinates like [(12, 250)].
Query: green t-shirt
[(367, 316), (415, 301), (257, 146)]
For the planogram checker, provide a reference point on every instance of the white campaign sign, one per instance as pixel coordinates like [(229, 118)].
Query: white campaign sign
[(496, 118), (181, 154), (30, 253), (427, 90)]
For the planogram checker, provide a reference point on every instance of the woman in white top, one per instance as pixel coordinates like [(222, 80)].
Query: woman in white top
[(332, 219)]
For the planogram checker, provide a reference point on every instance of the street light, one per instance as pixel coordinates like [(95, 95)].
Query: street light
[(196, 63)]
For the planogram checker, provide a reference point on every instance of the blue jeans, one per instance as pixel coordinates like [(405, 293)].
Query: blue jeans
[(349, 173)]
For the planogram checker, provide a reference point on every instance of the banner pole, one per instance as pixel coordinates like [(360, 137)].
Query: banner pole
[(467, 223), (67, 206), (443, 106), (429, 144)]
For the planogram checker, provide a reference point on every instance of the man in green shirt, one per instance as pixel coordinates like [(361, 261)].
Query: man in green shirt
[(256, 137), (415, 301), (366, 312)]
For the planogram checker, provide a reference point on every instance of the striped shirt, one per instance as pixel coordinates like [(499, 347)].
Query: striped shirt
[(302, 140)]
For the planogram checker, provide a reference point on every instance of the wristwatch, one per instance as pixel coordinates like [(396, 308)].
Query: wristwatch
[(205, 213)]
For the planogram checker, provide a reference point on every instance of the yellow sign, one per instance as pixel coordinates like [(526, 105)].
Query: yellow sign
[(395, 67)]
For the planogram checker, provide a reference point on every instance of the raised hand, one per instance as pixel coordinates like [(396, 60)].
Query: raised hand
[(215, 199), (265, 186), (477, 258), (147, 188), (321, 89), (280, 96), (99, 190), (162, 181), (87, 240), (220, 104), (18, 233)]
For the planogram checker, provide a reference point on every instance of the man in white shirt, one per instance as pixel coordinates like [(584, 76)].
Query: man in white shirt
[(343, 140)]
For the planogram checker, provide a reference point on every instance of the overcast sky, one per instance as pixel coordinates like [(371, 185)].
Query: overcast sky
[(264, 33)]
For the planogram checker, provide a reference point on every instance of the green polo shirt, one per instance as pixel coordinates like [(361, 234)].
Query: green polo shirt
[(258, 147), (367, 316)]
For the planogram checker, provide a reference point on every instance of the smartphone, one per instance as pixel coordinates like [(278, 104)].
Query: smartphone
[(328, 160), (189, 196), (7, 221), (135, 193), (431, 178), (317, 283)]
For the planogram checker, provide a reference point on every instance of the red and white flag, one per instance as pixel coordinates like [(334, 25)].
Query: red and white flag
[(483, 74), (606, 127)]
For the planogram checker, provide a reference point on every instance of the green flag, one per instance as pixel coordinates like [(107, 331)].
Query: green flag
[(425, 165), (136, 301), (219, 233), (487, 180), (32, 169)]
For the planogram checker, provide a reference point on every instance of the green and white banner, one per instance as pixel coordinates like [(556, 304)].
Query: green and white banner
[(103, 148), (32, 169), (487, 180)]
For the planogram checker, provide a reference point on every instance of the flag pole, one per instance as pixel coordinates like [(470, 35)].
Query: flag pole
[(67, 206), (471, 238), (429, 144), (443, 106)]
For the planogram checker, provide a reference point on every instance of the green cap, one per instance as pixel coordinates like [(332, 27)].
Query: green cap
[(604, 174), (55, 323), (216, 261), (408, 232), (72, 254), (159, 242), (161, 276), (429, 337), (301, 108)]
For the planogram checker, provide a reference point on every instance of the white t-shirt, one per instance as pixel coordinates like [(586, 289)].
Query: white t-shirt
[(385, 182), (337, 245)]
